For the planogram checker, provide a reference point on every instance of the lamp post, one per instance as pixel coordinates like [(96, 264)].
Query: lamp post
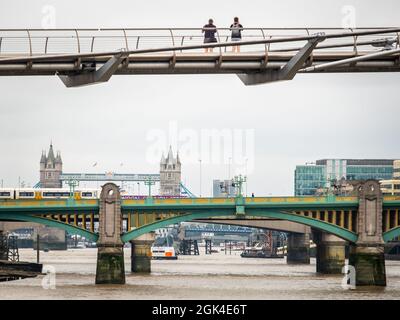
[(200, 175), (238, 182), (229, 168), (72, 184), (149, 183), (247, 159)]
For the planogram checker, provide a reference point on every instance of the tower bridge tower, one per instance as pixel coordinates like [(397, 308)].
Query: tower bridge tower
[(50, 169), (170, 175)]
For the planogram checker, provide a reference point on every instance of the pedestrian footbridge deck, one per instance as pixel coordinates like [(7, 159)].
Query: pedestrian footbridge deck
[(85, 56)]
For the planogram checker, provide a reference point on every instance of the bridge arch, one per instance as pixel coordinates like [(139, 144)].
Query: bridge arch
[(50, 223), (391, 234), (318, 224)]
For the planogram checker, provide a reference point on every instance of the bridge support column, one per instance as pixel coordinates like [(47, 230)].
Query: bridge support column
[(141, 253), (3, 246), (298, 248), (330, 253), (369, 264), (367, 255), (110, 254)]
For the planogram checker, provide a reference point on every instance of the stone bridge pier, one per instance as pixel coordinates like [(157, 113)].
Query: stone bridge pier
[(298, 248), (141, 253), (110, 249), (330, 256), (367, 255)]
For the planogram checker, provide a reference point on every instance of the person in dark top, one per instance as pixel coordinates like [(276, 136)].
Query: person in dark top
[(236, 33), (209, 31)]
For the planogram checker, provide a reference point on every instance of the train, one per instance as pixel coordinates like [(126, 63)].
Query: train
[(55, 193)]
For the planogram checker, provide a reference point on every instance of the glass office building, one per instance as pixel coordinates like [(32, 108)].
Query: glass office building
[(308, 178)]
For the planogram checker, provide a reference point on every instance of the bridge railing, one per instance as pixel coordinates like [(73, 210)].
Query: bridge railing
[(66, 41)]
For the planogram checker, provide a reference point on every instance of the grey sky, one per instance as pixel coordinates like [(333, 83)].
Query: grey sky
[(311, 117)]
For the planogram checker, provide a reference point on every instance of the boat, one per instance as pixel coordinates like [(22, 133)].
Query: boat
[(164, 248), (259, 251)]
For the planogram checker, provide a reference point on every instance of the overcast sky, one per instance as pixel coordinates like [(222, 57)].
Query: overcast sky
[(311, 117)]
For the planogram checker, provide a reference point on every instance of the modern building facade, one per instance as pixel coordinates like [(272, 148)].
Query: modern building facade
[(392, 186), (50, 169), (309, 178), (170, 175), (223, 189), (396, 169)]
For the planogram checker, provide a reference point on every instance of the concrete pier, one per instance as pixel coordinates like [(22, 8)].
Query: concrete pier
[(369, 264), (141, 253), (110, 255), (330, 253), (3, 246), (298, 248)]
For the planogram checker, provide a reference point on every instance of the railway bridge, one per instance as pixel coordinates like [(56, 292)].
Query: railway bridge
[(365, 220)]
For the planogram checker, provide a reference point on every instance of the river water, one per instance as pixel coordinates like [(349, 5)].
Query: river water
[(216, 276)]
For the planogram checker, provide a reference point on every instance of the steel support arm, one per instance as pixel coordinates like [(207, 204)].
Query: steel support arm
[(103, 74), (324, 66), (288, 71)]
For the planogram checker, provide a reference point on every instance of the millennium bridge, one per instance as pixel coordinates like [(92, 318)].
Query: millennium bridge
[(88, 56)]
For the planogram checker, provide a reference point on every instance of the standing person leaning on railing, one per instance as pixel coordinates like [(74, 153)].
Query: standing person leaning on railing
[(209, 31), (236, 35)]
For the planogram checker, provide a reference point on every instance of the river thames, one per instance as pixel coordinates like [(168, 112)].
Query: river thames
[(216, 276)]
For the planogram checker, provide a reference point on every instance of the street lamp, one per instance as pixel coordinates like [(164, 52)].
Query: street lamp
[(149, 183), (247, 159), (200, 175), (229, 168), (238, 183)]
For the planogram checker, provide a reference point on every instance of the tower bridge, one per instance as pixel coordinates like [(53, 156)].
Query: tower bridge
[(366, 221), (169, 176), (88, 56)]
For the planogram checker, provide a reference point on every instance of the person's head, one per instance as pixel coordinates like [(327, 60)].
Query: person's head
[(236, 19), (210, 21)]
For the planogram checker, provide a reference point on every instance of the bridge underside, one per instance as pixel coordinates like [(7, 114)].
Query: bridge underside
[(270, 224), (199, 63)]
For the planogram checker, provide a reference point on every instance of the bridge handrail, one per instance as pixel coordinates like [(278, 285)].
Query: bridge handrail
[(43, 41)]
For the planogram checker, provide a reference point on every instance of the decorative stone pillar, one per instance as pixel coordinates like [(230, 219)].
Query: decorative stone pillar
[(110, 253), (330, 253), (367, 255), (298, 248), (141, 253)]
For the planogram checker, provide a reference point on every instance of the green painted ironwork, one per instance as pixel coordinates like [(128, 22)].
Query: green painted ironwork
[(51, 223), (322, 225), (72, 185), (311, 222), (391, 234), (166, 222), (149, 183), (238, 183)]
